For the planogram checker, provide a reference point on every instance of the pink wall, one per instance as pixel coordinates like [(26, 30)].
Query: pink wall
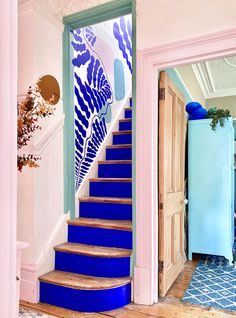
[(164, 21), (40, 210), (8, 158), (158, 22)]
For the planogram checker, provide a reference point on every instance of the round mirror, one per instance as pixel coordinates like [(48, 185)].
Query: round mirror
[(49, 89)]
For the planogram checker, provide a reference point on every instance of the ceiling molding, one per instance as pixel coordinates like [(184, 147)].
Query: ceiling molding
[(229, 63), (59, 8), (223, 93), (25, 6), (55, 10), (203, 78), (208, 81)]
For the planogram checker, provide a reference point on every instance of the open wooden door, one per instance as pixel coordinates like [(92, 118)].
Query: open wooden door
[(172, 127)]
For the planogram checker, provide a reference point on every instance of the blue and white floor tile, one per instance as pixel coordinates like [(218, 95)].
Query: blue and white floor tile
[(27, 313), (213, 284)]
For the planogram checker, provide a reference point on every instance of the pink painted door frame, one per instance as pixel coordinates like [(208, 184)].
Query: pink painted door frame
[(149, 62), (8, 158)]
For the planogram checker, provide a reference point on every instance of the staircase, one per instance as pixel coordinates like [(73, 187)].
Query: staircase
[(92, 269)]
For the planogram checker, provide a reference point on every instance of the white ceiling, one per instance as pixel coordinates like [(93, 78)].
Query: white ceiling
[(217, 78)]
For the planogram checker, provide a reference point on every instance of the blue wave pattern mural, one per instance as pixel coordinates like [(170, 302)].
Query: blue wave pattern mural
[(93, 95), (123, 35), (93, 91)]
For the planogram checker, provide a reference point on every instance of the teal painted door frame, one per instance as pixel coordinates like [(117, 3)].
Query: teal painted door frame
[(81, 19)]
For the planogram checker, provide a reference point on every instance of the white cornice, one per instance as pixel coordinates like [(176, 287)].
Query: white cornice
[(25, 6), (55, 10), (43, 8), (204, 77)]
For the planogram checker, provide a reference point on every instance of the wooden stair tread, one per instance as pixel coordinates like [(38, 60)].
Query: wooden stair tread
[(125, 120), (122, 132), (110, 180), (120, 146), (77, 281), (105, 200), (104, 162), (91, 250), (100, 223)]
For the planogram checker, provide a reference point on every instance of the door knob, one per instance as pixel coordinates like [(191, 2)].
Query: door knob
[(184, 201)]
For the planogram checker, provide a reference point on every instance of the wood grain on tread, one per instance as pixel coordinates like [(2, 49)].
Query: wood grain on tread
[(110, 180), (92, 250), (105, 162), (122, 132), (77, 281), (125, 120), (120, 146), (106, 200), (105, 224)]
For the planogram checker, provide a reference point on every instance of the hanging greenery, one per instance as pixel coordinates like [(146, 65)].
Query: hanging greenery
[(218, 116), (29, 111)]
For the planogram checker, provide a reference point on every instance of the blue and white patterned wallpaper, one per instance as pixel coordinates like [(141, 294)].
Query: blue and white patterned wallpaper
[(102, 75)]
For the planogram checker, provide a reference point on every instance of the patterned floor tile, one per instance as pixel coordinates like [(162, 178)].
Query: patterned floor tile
[(213, 284)]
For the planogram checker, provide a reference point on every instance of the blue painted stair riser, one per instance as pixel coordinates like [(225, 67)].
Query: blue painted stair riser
[(128, 113), (107, 211), (85, 300), (119, 153), (122, 139), (100, 236), (111, 189), (87, 283), (92, 265), (125, 125), (115, 170)]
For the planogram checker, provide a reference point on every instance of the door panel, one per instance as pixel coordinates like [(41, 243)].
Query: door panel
[(172, 127)]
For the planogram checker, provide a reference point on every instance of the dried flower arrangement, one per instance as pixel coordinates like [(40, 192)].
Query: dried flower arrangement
[(29, 111)]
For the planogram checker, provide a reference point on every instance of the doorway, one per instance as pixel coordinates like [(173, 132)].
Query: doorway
[(100, 84), (151, 60), (209, 181), (101, 13)]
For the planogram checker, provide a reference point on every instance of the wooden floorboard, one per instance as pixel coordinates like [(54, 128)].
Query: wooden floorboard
[(58, 312), (168, 307), (179, 287)]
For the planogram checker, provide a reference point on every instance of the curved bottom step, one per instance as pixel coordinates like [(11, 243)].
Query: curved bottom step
[(84, 293)]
